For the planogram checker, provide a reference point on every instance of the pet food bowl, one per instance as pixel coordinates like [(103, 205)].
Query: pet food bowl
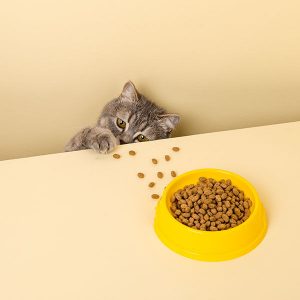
[(210, 245)]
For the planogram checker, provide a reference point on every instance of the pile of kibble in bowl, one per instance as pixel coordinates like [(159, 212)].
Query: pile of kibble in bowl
[(210, 205)]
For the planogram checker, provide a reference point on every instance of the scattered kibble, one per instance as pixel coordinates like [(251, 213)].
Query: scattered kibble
[(167, 157), (210, 205), (116, 156), (173, 174), (160, 175)]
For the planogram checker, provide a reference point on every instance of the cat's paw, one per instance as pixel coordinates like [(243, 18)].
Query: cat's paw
[(103, 141)]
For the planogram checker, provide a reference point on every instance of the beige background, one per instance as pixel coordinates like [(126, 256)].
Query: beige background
[(220, 64)]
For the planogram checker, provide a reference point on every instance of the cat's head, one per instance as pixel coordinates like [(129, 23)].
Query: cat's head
[(133, 118)]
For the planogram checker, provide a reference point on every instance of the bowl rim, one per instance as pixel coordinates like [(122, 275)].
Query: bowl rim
[(255, 201)]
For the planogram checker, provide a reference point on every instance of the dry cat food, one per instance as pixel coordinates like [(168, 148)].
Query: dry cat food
[(141, 175), (151, 184), (175, 149), (160, 175), (173, 174), (116, 156), (155, 196), (167, 157), (154, 161), (132, 153), (210, 205)]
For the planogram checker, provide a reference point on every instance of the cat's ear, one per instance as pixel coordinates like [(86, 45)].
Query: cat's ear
[(129, 92), (169, 121)]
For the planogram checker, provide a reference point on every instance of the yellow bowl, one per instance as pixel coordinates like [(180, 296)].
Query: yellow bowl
[(210, 245)]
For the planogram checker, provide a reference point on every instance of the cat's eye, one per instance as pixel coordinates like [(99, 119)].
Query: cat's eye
[(121, 123), (141, 138)]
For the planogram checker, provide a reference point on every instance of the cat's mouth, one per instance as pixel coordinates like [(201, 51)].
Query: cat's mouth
[(122, 142)]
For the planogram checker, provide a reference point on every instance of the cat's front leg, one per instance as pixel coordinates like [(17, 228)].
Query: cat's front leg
[(78, 141), (97, 138), (101, 140)]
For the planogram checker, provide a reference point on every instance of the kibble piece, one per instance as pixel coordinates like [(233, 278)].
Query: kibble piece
[(221, 226), (152, 184), (184, 221), (225, 218), (224, 185), (207, 192), (223, 196), (154, 161), (167, 157), (229, 188), (234, 217), (186, 215), (155, 196), (195, 216), (218, 215), (175, 149), (229, 212), (227, 204), (141, 175), (237, 211), (178, 196), (116, 156), (191, 220), (220, 191), (235, 192), (160, 175), (241, 207), (203, 227), (173, 174), (214, 211), (246, 204), (196, 197), (132, 153), (228, 182), (202, 211), (219, 208)]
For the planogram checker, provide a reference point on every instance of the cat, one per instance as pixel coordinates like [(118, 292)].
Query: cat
[(127, 119)]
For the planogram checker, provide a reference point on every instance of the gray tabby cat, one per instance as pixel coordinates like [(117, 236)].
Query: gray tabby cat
[(127, 119)]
